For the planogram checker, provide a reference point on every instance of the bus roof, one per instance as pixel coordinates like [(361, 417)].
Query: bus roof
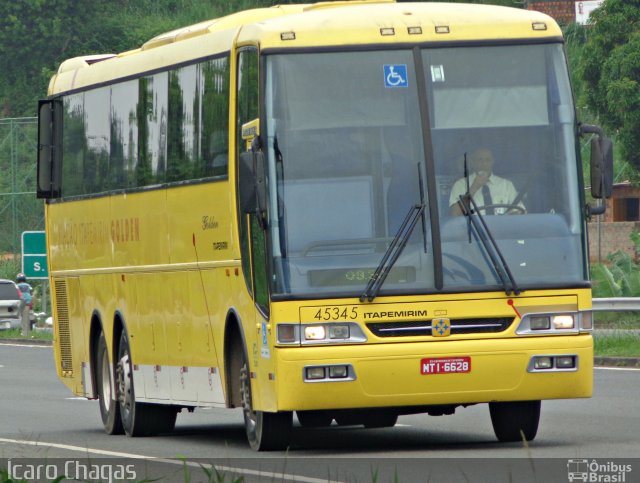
[(325, 24)]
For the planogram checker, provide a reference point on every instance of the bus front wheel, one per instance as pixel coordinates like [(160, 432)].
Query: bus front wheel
[(109, 407), (265, 431), (139, 419), (314, 419), (515, 421)]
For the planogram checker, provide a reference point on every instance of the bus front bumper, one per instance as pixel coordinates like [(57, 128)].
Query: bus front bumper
[(395, 375)]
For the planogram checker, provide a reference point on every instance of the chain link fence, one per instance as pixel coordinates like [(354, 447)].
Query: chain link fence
[(19, 209)]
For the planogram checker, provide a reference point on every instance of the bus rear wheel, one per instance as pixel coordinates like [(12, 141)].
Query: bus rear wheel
[(109, 407), (265, 431), (139, 419), (515, 421)]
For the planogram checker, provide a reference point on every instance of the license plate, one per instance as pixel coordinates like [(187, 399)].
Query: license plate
[(445, 365)]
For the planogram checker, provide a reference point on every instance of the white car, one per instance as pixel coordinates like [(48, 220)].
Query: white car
[(10, 302)]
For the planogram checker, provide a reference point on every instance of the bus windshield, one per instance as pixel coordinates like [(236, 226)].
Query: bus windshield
[(355, 139)]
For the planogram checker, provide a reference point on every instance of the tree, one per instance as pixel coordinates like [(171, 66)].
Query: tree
[(611, 72)]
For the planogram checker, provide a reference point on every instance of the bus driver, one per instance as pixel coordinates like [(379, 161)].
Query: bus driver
[(497, 194)]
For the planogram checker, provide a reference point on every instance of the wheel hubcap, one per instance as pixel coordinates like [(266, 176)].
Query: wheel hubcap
[(245, 389), (106, 382), (124, 383)]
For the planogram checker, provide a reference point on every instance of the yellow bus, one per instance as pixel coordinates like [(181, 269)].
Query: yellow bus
[(348, 210)]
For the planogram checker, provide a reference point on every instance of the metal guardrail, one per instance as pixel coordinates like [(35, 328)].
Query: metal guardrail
[(616, 304)]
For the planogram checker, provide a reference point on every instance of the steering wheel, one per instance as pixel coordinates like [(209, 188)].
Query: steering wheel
[(509, 207)]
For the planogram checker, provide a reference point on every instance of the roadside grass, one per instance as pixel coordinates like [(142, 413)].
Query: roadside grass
[(33, 335), (617, 343)]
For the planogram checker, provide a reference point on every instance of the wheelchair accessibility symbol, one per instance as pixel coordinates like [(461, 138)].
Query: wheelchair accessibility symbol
[(395, 75)]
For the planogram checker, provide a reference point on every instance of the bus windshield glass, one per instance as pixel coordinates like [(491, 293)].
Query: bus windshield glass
[(354, 140)]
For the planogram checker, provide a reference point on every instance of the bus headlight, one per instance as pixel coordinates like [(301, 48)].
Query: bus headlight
[(553, 363), (554, 324), (543, 362), (565, 362), (329, 373), (539, 322), (329, 333), (314, 373), (338, 332), (562, 322), (314, 332)]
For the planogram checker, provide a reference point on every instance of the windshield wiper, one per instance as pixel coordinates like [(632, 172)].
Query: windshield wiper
[(476, 220), (393, 252)]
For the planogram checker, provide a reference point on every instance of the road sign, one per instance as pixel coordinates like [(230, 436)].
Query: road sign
[(34, 255)]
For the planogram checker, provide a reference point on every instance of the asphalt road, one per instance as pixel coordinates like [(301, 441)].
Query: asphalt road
[(40, 418)]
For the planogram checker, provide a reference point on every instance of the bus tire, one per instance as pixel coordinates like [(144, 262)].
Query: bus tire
[(109, 407), (382, 419), (515, 421), (349, 418), (265, 431), (314, 419), (139, 419)]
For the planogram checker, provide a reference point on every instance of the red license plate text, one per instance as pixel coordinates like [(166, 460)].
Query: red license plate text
[(445, 365)]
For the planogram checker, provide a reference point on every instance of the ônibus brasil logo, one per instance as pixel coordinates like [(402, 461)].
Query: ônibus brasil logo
[(597, 471)]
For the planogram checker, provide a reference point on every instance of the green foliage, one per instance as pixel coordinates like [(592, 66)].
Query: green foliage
[(9, 268), (620, 277), (5, 478), (37, 35), (617, 344), (33, 335), (611, 72), (19, 209)]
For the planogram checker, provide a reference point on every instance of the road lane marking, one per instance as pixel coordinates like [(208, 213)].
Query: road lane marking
[(618, 368), (25, 345), (117, 454)]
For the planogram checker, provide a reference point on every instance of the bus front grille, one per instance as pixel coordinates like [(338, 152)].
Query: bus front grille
[(423, 328)]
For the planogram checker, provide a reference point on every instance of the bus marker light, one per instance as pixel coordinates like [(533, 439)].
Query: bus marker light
[(562, 322), (387, 31), (315, 332), (414, 30), (543, 362), (442, 29), (539, 26), (288, 36), (315, 373)]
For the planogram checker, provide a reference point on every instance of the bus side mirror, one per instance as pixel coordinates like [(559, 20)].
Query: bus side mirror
[(252, 185), (49, 149), (601, 163), (601, 168)]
